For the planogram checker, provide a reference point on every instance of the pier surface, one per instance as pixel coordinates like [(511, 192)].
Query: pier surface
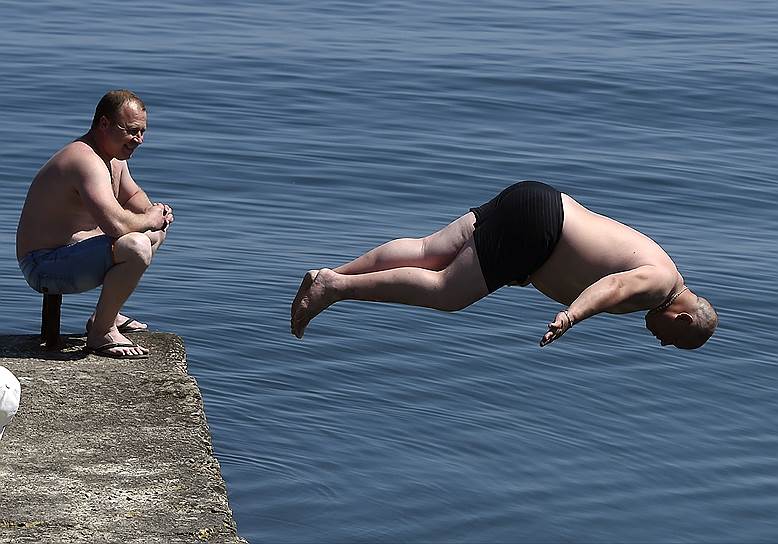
[(106, 450)]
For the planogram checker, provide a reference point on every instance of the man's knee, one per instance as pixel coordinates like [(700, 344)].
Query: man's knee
[(156, 237), (134, 246)]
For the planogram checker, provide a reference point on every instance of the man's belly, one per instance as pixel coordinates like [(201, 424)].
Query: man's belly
[(84, 234), (591, 247), (559, 291), (567, 273), (49, 239)]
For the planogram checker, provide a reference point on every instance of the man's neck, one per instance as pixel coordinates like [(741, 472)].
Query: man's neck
[(91, 140), (670, 300)]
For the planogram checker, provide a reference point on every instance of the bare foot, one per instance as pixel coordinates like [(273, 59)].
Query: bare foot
[(128, 324), (302, 290), (313, 300), (128, 349)]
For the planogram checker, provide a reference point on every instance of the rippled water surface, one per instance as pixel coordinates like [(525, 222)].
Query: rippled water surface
[(298, 134)]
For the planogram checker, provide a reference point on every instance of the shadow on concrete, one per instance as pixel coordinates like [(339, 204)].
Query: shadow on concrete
[(30, 346)]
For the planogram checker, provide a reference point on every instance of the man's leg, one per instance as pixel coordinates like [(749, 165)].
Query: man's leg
[(433, 252), (132, 255), (455, 287), (156, 237)]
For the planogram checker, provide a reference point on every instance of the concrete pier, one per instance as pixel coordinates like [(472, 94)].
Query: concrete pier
[(105, 450)]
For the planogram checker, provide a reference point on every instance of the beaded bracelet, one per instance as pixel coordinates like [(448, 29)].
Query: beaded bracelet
[(569, 319)]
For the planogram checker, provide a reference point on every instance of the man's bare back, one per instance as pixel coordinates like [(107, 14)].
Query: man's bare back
[(54, 213), (592, 247)]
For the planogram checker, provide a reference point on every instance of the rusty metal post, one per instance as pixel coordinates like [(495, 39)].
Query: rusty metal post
[(50, 321)]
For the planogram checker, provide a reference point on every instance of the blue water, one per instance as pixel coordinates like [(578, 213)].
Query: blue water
[(298, 134)]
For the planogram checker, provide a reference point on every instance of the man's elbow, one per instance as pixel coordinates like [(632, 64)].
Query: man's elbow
[(619, 289)]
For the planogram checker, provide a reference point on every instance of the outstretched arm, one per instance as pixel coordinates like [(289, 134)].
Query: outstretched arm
[(641, 288)]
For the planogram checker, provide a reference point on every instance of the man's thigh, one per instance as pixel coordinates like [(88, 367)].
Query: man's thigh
[(463, 278), (74, 268), (450, 240)]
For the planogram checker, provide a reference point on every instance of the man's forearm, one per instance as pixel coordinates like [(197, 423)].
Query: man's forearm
[(603, 295), (129, 221), (598, 297), (629, 291)]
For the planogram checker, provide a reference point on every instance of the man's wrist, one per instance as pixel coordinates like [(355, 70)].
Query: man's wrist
[(570, 320)]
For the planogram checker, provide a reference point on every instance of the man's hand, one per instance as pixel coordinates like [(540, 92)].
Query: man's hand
[(162, 215), (168, 214), (156, 214), (561, 324)]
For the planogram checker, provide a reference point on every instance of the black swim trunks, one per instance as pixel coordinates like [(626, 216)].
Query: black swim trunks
[(516, 232)]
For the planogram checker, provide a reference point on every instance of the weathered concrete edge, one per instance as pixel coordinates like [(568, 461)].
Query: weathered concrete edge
[(146, 414)]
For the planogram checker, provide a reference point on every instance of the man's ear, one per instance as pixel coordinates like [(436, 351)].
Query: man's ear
[(685, 318), (103, 122)]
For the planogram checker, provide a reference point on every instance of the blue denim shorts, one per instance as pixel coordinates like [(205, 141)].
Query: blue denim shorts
[(74, 268)]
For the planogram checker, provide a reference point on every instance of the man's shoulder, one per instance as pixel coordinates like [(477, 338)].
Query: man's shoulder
[(80, 161), (659, 272), (78, 151), (657, 279)]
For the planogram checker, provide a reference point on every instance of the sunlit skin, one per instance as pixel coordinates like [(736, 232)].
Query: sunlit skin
[(598, 265), (123, 136), (672, 325), (86, 190)]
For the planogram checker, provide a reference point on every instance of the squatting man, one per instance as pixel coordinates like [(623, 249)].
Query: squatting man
[(86, 222)]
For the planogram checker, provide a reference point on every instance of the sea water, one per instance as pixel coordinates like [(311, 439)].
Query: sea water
[(290, 135)]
